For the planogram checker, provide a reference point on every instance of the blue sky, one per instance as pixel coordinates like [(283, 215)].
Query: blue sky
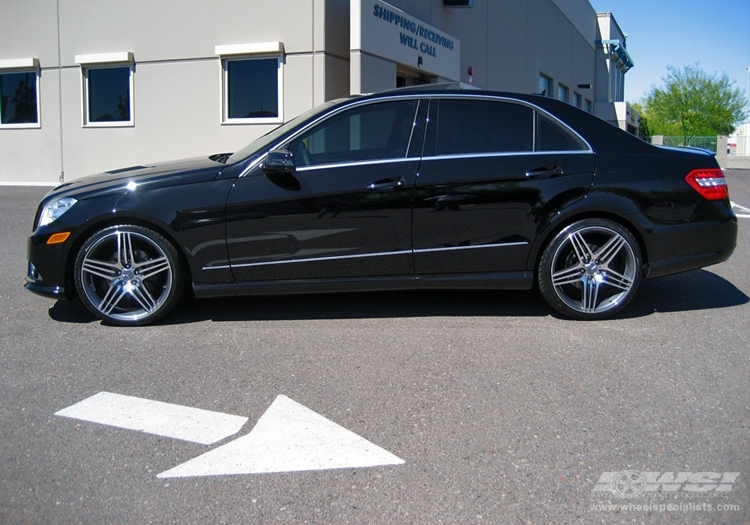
[(714, 33)]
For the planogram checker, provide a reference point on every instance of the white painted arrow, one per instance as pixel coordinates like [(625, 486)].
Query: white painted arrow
[(154, 417), (287, 438)]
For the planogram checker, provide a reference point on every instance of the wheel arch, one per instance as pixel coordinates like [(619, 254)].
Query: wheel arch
[(555, 227), (114, 220)]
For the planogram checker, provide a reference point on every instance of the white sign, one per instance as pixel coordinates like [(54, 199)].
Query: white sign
[(380, 29)]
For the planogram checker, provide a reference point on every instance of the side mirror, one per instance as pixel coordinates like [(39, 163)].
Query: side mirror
[(279, 161)]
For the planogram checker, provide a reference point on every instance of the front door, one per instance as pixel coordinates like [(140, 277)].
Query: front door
[(346, 209)]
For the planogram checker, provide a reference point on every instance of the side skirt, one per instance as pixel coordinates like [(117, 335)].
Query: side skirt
[(497, 281)]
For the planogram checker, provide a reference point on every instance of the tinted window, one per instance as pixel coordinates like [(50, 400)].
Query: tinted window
[(551, 136), (18, 98), (483, 126), (108, 94), (372, 132), (252, 88)]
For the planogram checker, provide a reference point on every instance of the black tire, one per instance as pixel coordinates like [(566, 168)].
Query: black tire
[(590, 270), (128, 275)]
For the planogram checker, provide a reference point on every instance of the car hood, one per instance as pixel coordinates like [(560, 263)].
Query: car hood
[(159, 175)]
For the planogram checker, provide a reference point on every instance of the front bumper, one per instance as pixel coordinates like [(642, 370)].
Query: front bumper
[(35, 283)]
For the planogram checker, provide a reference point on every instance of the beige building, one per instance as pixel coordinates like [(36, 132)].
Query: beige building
[(93, 86)]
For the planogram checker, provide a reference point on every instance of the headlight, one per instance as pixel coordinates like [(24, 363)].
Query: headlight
[(55, 209)]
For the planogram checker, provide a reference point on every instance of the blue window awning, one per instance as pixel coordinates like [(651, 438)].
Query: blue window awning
[(618, 55)]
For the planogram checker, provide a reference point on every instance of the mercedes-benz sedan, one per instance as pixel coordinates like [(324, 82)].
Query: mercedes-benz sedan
[(430, 187)]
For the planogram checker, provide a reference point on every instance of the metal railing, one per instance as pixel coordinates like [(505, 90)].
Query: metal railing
[(708, 143)]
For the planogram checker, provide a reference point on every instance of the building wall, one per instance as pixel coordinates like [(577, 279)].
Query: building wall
[(510, 43), (177, 76)]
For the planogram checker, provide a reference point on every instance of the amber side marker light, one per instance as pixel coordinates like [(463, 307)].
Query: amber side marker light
[(709, 182), (57, 238)]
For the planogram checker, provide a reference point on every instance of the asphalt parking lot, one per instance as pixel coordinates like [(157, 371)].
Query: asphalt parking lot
[(420, 407)]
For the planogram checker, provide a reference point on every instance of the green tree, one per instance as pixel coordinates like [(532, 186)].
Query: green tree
[(644, 130), (693, 103)]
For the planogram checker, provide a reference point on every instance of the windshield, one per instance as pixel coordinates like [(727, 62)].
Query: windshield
[(272, 136)]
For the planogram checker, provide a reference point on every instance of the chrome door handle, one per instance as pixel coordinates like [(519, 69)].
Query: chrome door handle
[(545, 172), (386, 184)]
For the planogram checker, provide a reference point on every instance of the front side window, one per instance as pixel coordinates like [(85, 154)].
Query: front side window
[(108, 96), (19, 99), (252, 90), (376, 131)]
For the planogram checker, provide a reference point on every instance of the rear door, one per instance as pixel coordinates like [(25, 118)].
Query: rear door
[(493, 171)]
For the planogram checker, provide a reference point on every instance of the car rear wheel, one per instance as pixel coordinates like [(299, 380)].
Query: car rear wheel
[(128, 275), (590, 270)]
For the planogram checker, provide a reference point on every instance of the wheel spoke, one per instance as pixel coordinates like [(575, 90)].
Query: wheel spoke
[(113, 296), (616, 280), (583, 252), (571, 275), (609, 251), (152, 267), (143, 297), (103, 269), (125, 249), (590, 294)]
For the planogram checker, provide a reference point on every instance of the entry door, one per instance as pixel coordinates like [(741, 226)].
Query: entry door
[(344, 212), (493, 172)]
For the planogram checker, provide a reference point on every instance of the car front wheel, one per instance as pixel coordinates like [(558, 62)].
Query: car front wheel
[(128, 275), (590, 270)]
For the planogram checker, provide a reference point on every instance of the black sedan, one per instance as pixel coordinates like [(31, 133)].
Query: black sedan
[(430, 187)]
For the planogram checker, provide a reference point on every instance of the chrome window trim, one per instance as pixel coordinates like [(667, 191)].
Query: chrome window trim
[(365, 255), (359, 163), (253, 165), (502, 154)]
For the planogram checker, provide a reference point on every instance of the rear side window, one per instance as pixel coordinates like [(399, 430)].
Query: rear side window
[(551, 136), (477, 126), (482, 126)]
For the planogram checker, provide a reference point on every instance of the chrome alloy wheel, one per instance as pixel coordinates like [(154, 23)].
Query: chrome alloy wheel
[(126, 275), (591, 269)]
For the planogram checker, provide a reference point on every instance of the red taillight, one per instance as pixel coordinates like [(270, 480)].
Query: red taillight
[(709, 182)]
